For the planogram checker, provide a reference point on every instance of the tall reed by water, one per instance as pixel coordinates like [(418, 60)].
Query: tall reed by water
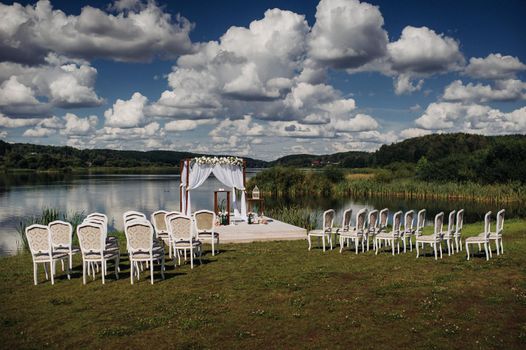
[(295, 215), (48, 215)]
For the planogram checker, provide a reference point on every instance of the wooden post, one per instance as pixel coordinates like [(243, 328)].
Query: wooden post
[(228, 207), (244, 172)]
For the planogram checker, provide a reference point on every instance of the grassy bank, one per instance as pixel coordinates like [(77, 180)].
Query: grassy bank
[(279, 295), (282, 181)]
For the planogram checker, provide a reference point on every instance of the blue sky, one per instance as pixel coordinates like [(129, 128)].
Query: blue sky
[(262, 80)]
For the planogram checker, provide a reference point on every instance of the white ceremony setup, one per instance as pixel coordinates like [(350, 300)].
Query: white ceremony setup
[(231, 172)]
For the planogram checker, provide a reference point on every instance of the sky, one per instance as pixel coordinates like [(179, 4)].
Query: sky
[(261, 79)]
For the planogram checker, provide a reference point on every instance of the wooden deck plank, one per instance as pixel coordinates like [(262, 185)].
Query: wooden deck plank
[(275, 230)]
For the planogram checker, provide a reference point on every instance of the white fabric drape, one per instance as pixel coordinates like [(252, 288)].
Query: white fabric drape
[(198, 175), (229, 175), (232, 176)]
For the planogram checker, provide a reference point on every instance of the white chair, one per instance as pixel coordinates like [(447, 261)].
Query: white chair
[(205, 226), (94, 249), (420, 222), (181, 235), (346, 224), (393, 236), (62, 239), (158, 220), (98, 216), (482, 238), (39, 241), (141, 247), (449, 234), (497, 235), (326, 231), (132, 215), (434, 240), (384, 220), (112, 243), (458, 229), (408, 231), (356, 234), (372, 228)]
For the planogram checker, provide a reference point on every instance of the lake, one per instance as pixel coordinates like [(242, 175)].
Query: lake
[(26, 194)]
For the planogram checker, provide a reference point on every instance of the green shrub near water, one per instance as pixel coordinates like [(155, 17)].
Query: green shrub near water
[(283, 181), (48, 215)]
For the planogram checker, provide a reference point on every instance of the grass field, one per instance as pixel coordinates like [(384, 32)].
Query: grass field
[(279, 295)]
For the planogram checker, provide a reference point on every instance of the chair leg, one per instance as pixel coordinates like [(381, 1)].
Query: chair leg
[(497, 244), (70, 261), (467, 250), (393, 246), (376, 246), (440, 246), (103, 271), (131, 272), (162, 267), (213, 250), (117, 263), (323, 242), (501, 246), (191, 256), (67, 268), (83, 271), (435, 249), (308, 239), (62, 262), (35, 272), (151, 271), (45, 271), (417, 250), (486, 249), (52, 268)]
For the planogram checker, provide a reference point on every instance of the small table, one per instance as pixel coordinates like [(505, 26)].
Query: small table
[(259, 201), (216, 209)]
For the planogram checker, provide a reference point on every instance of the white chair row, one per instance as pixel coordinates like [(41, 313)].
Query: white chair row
[(487, 236), (204, 227), (96, 247), (54, 242), (373, 225), (142, 245), (368, 226)]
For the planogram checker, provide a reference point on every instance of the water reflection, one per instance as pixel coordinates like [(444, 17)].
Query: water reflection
[(26, 194)]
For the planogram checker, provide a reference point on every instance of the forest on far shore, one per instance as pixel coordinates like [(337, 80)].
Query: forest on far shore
[(437, 157)]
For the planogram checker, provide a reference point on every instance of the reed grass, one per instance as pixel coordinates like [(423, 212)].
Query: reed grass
[(291, 182), (295, 215), (44, 218)]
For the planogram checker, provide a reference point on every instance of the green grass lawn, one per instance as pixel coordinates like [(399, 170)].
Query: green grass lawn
[(279, 295)]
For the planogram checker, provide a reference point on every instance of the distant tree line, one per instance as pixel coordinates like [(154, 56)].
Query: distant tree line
[(38, 157), (438, 157)]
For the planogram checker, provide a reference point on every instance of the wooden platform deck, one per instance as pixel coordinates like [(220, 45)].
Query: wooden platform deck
[(275, 230)]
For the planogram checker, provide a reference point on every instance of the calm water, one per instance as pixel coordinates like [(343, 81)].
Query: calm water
[(26, 194)]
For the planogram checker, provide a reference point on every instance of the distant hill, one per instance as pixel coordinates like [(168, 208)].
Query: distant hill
[(445, 157), (29, 156), (433, 157)]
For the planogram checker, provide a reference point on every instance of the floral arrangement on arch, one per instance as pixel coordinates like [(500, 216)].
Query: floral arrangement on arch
[(235, 161)]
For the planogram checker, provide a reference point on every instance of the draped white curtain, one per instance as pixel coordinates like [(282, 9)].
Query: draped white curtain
[(229, 175)]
